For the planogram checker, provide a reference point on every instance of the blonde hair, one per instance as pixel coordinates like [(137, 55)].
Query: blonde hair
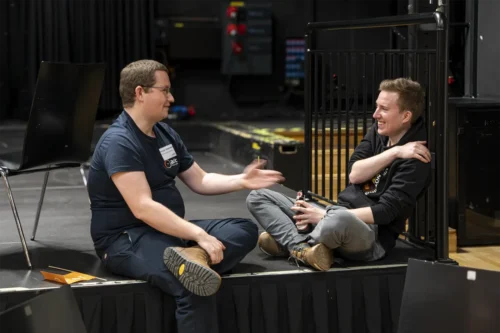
[(411, 95)]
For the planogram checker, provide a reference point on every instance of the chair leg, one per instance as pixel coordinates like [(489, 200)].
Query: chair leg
[(82, 171), (16, 218), (40, 203)]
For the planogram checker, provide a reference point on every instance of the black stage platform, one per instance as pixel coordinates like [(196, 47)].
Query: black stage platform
[(260, 295)]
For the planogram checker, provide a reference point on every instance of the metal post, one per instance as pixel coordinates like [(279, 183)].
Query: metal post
[(308, 114), (442, 136), (412, 31), (40, 203), (16, 218), (470, 72)]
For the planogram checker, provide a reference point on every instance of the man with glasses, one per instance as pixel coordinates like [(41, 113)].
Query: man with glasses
[(138, 225)]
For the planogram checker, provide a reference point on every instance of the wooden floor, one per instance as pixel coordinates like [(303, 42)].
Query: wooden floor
[(483, 257)]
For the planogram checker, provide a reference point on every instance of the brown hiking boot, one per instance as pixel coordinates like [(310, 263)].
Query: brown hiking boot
[(191, 266), (270, 246), (318, 256)]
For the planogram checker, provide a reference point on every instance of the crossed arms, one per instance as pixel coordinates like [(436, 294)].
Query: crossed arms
[(365, 167)]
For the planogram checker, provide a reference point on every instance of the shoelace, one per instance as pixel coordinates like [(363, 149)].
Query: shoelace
[(296, 261), (299, 255)]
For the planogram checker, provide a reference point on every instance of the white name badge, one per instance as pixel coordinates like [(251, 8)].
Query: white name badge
[(167, 152)]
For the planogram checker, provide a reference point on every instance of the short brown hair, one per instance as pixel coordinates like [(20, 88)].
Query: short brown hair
[(138, 73), (411, 95)]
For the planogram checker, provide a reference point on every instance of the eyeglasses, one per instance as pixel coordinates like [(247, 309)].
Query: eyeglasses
[(165, 90)]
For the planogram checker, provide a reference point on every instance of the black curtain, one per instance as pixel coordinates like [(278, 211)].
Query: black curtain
[(354, 301), (79, 31), (350, 300), (130, 308)]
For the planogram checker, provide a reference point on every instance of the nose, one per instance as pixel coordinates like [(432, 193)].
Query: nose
[(170, 98), (376, 114)]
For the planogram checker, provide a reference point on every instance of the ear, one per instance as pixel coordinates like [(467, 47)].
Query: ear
[(407, 115), (139, 93)]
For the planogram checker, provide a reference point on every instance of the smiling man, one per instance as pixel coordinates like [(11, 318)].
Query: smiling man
[(138, 224), (388, 171)]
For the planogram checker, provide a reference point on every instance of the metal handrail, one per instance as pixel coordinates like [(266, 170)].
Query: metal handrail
[(381, 22)]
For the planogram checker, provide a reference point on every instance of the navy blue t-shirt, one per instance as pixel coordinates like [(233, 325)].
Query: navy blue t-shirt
[(124, 147)]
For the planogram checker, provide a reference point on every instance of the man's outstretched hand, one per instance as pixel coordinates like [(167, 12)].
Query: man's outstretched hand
[(255, 178)]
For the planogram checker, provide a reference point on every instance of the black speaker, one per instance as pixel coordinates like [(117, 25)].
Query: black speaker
[(474, 178), (488, 49), (53, 311), (446, 298)]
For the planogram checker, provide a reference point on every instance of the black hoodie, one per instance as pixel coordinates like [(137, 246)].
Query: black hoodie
[(393, 193)]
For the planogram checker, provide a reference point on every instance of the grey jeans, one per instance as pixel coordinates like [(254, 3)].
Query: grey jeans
[(339, 230)]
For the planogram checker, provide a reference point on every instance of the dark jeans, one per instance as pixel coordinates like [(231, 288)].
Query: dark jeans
[(138, 254)]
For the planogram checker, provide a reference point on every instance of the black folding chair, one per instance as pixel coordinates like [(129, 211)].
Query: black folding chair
[(59, 130)]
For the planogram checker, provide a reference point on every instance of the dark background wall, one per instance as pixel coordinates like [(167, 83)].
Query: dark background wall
[(249, 97), (196, 82), (75, 31), (244, 97)]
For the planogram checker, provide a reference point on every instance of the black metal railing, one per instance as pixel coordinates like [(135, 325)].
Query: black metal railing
[(341, 87)]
